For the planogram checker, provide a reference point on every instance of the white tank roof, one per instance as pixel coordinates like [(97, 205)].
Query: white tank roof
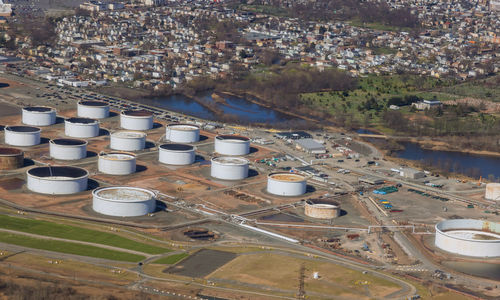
[(231, 160), (117, 156), (123, 193), (129, 134)]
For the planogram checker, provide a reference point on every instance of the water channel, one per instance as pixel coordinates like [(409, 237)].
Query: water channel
[(244, 110), (468, 164)]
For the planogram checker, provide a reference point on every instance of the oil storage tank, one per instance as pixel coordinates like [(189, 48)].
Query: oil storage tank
[(57, 180), (92, 109), (232, 145), (492, 191), (68, 149), (136, 120), (116, 163), (38, 115), (123, 201), (23, 136), (11, 158), (469, 237), (81, 127), (182, 133), (322, 208), (229, 168), (176, 154), (128, 140), (286, 184)]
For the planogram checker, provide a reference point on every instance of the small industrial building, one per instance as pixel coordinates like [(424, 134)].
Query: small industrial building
[(411, 173), (373, 180), (427, 104), (310, 146), (308, 170), (492, 191)]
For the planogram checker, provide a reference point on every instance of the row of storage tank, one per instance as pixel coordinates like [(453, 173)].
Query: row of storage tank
[(114, 201), (69, 180), (86, 124)]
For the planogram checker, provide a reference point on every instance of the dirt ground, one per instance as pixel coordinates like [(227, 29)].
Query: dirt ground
[(7, 110), (280, 272)]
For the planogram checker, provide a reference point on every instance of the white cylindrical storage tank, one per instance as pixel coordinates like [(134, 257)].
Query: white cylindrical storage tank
[(229, 168), (57, 180), (136, 120), (128, 140), (92, 109), (23, 136), (492, 191), (39, 115), (116, 163), (476, 238), (232, 145), (182, 133), (286, 184), (176, 154), (123, 201), (321, 208), (68, 149), (81, 127)]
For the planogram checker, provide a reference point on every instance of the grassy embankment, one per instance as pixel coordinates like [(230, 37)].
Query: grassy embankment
[(76, 233), (172, 259), (68, 248), (487, 89), (381, 89)]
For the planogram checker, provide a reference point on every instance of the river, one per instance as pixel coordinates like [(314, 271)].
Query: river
[(244, 110), (464, 163), (248, 112)]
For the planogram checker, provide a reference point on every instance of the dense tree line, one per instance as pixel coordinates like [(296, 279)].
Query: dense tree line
[(365, 11), (41, 31), (49, 291), (403, 101), (476, 131), (283, 87)]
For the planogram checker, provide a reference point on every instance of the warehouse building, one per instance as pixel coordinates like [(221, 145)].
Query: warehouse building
[(373, 180), (310, 146), (411, 173)]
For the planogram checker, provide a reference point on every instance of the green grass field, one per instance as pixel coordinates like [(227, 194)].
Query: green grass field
[(378, 26), (488, 89), (172, 259), (76, 233), (67, 247), (379, 88)]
